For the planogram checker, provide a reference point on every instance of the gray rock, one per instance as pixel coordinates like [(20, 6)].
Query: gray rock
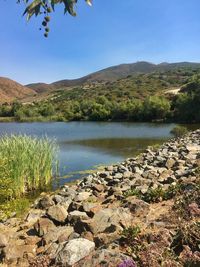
[(105, 218), (58, 199)]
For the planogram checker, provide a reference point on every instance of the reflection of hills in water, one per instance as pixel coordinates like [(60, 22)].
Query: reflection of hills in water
[(124, 147)]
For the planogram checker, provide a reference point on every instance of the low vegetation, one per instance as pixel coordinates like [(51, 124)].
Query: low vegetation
[(26, 164), (135, 98), (179, 131)]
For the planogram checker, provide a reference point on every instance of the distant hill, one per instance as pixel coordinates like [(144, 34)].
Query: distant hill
[(112, 74), (11, 90)]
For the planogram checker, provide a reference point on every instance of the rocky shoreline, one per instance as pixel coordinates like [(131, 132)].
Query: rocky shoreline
[(126, 215)]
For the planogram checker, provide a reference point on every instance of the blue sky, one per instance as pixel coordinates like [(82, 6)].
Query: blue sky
[(110, 33)]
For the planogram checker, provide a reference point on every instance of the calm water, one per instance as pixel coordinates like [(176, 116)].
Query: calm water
[(84, 145)]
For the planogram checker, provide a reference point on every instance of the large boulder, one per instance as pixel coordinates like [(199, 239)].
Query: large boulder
[(104, 219), (74, 251)]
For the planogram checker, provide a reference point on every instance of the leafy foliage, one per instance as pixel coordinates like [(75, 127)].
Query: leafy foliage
[(46, 7)]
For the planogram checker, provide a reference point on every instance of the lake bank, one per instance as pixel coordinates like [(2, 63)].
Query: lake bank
[(85, 145), (110, 215)]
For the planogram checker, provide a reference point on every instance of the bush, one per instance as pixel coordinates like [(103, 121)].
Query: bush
[(179, 131)]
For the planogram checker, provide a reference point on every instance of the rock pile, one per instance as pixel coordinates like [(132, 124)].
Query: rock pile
[(80, 225)]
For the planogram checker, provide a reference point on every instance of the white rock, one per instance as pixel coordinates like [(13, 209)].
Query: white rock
[(74, 251)]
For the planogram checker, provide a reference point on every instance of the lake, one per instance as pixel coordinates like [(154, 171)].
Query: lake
[(86, 145)]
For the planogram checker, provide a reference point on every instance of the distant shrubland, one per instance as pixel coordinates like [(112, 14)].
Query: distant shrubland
[(142, 98)]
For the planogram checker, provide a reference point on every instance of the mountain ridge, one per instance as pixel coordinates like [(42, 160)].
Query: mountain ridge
[(113, 73)]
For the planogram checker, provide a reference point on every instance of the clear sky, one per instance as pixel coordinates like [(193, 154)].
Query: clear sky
[(110, 33)]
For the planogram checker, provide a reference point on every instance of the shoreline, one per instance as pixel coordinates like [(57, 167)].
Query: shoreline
[(109, 212)]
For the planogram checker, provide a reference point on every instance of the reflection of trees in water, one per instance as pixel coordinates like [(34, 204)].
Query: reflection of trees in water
[(125, 147)]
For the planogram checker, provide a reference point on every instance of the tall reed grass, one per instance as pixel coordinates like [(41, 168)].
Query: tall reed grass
[(26, 164)]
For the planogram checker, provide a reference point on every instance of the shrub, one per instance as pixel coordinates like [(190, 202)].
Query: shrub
[(179, 131)]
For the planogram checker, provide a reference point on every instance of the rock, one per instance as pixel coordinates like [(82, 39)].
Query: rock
[(82, 196), (32, 240), (4, 239), (44, 225), (194, 210), (136, 206), (58, 199), (58, 213), (165, 174), (34, 215), (105, 218), (76, 215), (68, 192), (127, 174), (109, 168), (104, 257), (192, 148), (88, 236), (13, 251), (60, 234), (98, 187), (143, 188), (74, 251), (118, 176), (104, 174), (170, 163), (45, 202), (103, 239)]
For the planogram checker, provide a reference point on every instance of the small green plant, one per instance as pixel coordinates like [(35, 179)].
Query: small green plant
[(131, 233), (132, 240), (154, 195), (179, 131), (132, 192), (172, 191)]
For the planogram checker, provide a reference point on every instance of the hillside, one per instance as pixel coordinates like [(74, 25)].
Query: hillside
[(11, 90), (113, 73), (137, 86), (154, 96)]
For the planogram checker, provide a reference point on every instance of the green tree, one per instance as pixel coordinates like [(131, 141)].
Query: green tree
[(156, 108)]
